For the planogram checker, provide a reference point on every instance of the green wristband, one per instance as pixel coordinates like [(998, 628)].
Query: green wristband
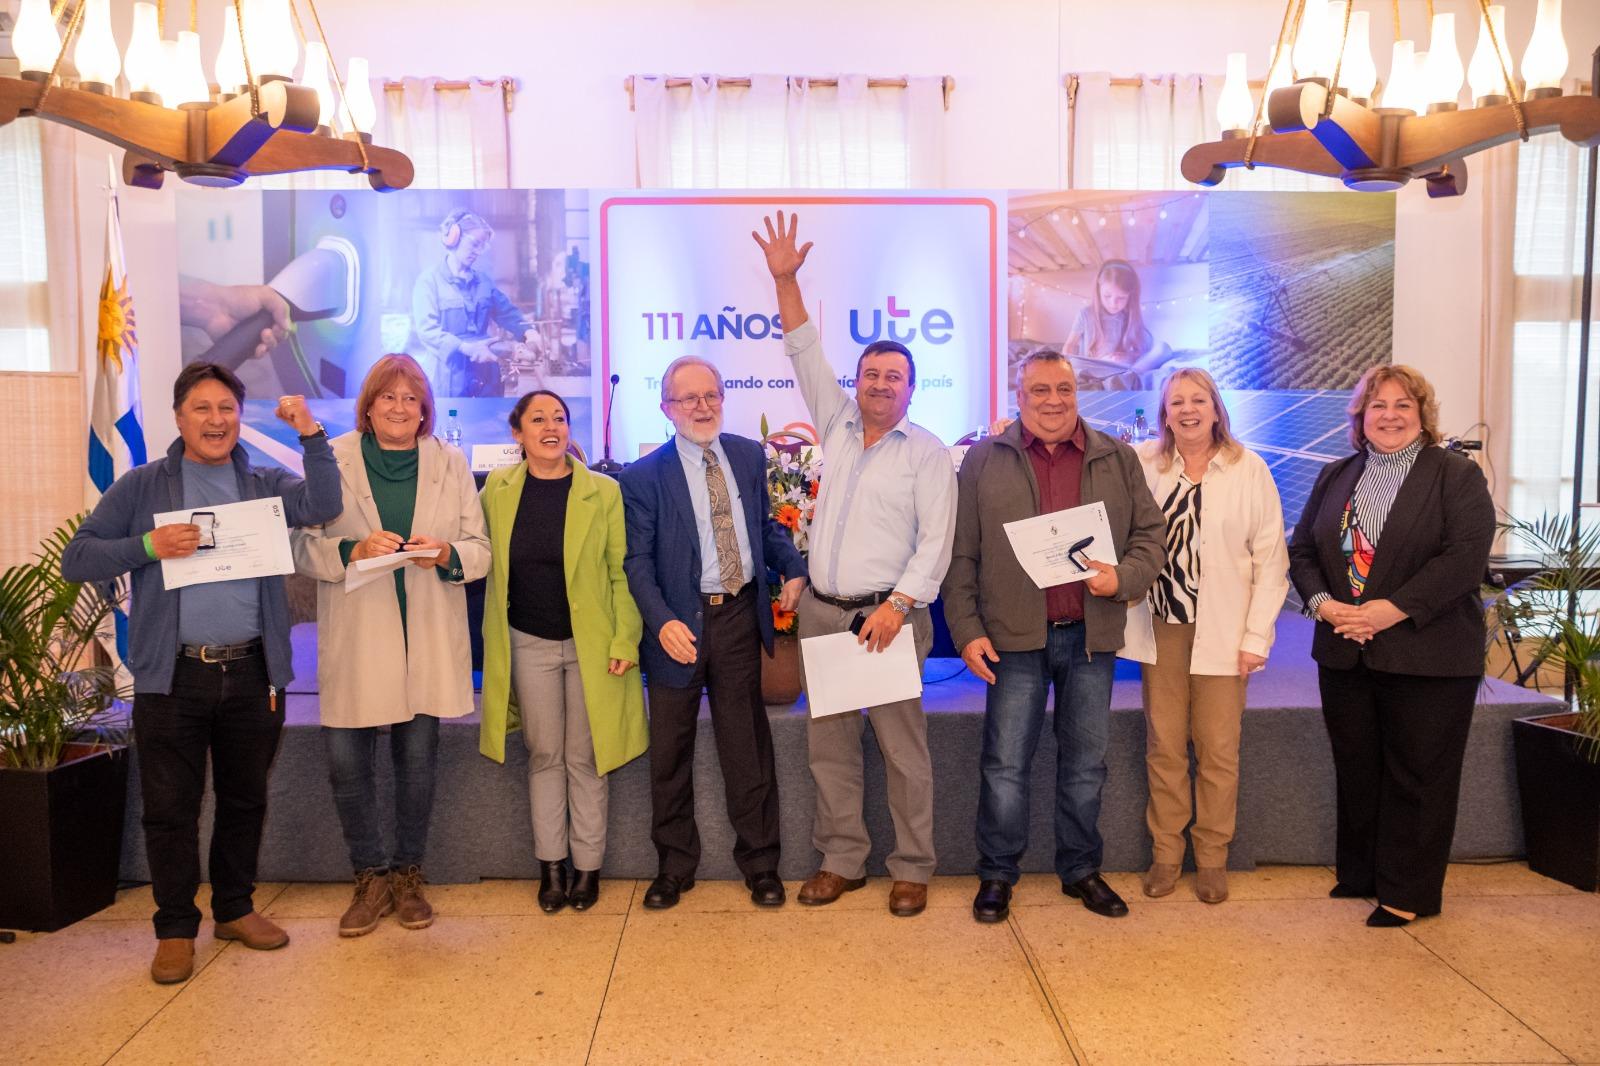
[(149, 544)]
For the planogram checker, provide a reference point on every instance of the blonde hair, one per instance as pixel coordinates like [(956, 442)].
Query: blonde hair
[(1221, 431), (1416, 387), (1134, 340), (384, 373)]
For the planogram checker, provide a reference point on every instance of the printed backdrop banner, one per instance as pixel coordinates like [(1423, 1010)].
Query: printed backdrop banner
[(681, 275)]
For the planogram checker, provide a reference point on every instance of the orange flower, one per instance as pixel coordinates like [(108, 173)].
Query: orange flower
[(789, 516), (811, 489), (782, 621)]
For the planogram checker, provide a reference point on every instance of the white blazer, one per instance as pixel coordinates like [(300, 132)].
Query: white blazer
[(1244, 563), (368, 671)]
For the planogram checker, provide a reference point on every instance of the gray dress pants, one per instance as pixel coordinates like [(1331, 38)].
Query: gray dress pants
[(568, 798)]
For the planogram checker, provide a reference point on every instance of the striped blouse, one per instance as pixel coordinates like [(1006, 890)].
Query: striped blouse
[(1368, 508), (1175, 596)]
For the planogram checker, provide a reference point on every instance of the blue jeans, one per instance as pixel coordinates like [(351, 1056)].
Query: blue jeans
[(1012, 719), (414, 747)]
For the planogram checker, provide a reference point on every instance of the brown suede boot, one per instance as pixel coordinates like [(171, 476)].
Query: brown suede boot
[(410, 906), (174, 961), (373, 898), (254, 932)]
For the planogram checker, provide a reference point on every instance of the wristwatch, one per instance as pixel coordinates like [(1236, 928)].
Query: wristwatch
[(901, 603), (321, 430)]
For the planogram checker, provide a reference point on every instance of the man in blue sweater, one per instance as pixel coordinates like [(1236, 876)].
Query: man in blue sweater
[(210, 661)]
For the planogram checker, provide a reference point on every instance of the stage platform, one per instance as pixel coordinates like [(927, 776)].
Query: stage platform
[(481, 827)]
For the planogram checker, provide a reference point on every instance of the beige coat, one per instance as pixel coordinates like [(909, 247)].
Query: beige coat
[(369, 672)]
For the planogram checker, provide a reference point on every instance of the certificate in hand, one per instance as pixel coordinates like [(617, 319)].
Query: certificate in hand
[(365, 571), (1055, 548), (842, 675), (237, 540)]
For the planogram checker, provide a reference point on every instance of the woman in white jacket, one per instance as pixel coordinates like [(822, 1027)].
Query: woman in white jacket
[(1207, 625), (393, 652)]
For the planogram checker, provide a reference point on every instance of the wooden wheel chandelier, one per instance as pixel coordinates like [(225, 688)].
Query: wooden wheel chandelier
[(258, 120), (1330, 122)]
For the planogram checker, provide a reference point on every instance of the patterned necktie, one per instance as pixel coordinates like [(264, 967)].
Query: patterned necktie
[(728, 563)]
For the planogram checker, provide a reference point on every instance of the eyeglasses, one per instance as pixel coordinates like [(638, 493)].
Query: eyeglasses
[(712, 400)]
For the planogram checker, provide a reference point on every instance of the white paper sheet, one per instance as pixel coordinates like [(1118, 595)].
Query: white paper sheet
[(251, 538), (366, 571), (842, 675), (1052, 548)]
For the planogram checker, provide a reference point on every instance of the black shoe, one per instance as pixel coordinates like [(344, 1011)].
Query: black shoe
[(664, 892), (993, 901), (1381, 918), (1343, 891), (1098, 896), (552, 885), (766, 889), (585, 891)]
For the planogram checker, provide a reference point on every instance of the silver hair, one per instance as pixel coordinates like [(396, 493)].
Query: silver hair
[(1040, 355), (681, 362)]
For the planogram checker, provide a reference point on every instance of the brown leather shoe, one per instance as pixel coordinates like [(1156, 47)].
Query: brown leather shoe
[(1211, 884), (1162, 878), (254, 932), (824, 886), (907, 898), (372, 899), (413, 911), (174, 961)]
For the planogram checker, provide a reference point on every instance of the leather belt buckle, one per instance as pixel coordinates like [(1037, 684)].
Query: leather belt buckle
[(205, 657), (716, 598)]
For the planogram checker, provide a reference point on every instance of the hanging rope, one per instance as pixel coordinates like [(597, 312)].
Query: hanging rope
[(194, 16), (1338, 62), (1505, 72), (338, 81), (66, 41), (244, 52), (1396, 9), (1291, 14)]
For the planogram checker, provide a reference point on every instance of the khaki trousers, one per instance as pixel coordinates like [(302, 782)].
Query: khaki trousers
[(840, 832), (1180, 707), (568, 797)]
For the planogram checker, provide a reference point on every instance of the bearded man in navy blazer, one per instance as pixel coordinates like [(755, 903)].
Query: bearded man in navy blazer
[(701, 538)]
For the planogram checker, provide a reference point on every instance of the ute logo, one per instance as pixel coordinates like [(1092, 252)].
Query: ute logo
[(935, 326)]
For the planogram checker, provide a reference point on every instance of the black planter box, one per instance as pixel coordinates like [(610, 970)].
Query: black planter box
[(61, 839), (1560, 790)]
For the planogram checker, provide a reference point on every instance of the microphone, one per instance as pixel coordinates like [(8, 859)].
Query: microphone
[(609, 465)]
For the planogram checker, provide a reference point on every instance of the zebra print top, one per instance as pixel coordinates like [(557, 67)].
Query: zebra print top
[(1175, 595)]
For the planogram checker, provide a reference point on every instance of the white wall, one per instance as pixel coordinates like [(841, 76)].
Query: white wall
[(1006, 126)]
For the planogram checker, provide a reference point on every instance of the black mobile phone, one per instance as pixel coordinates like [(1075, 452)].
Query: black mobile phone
[(856, 623), (207, 521)]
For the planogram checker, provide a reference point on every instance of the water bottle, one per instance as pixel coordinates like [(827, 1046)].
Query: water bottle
[(1141, 427), (452, 430)]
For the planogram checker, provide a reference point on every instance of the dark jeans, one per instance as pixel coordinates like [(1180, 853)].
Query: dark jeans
[(1013, 716), (414, 747), (728, 670), (1398, 744), (221, 709)]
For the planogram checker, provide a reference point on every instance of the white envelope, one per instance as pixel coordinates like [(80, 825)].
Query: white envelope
[(366, 571), (1052, 547), (842, 675)]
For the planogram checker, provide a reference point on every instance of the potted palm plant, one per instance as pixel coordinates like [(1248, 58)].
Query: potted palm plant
[(63, 782), (1558, 755), (794, 474)]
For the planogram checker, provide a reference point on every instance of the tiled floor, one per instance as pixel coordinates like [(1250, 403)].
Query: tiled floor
[(1279, 974)]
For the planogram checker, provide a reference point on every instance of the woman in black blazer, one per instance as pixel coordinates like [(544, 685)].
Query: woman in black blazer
[(1389, 557)]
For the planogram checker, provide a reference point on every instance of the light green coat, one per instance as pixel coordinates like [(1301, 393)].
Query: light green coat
[(605, 622)]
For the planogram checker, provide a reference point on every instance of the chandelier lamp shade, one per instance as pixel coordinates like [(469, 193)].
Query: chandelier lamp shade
[(152, 98), (1335, 120)]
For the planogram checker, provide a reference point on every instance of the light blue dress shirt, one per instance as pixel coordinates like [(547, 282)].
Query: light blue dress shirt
[(693, 457), (886, 515), (219, 612)]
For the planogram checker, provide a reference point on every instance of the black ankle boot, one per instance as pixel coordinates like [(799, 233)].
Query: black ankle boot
[(585, 889), (552, 885)]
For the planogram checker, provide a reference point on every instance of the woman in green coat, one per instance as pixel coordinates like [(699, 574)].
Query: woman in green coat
[(560, 645)]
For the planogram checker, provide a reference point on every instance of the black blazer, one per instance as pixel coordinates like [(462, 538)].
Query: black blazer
[(1431, 562), (663, 560)]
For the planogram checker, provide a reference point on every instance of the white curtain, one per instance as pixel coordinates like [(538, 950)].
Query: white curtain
[(1133, 136), (1547, 286), (38, 242), (781, 132), (454, 131)]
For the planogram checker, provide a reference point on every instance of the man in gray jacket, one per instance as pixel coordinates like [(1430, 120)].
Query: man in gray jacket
[(1022, 639), (209, 661)]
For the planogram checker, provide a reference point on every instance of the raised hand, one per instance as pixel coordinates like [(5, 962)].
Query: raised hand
[(293, 410), (783, 259)]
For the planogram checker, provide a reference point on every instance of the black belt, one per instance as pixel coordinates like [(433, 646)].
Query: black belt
[(1065, 623), (221, 653), (854, 603), (717, 599)]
